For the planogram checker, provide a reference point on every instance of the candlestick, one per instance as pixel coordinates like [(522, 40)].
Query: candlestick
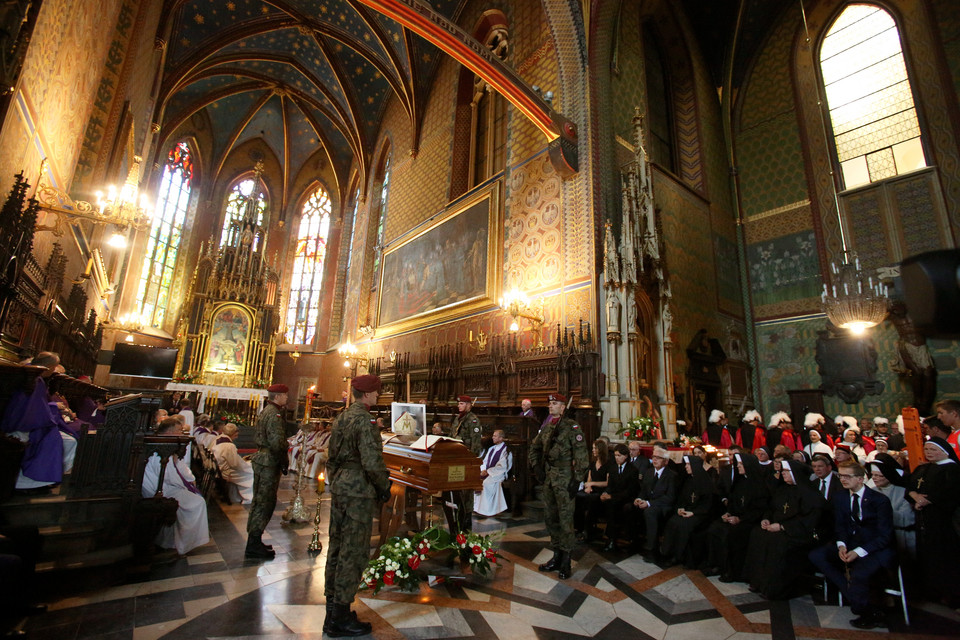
[(315, 545)]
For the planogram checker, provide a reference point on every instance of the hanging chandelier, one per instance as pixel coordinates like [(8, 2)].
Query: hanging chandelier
[(854, 301)]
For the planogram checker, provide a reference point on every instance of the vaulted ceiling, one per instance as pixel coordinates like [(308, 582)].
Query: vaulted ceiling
[(300, 74), (310, 74)]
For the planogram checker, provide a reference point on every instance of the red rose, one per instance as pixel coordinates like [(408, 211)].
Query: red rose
[(491, 555), (388, 577), (413, 561), (461, 539), (372, 583), (477, 550)]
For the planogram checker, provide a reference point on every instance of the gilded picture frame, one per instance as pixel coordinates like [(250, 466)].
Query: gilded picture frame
[(448, 268), (229, 345)]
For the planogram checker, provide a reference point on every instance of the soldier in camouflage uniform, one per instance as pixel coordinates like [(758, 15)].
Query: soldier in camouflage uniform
[(359, 481), (558, 457), (269, 462), (466, 426)]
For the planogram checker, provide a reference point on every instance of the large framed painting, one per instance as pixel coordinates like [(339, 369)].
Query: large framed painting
[(229, 339), (447, 268)]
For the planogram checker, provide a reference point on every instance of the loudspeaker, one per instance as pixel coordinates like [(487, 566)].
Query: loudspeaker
[(931, 291)]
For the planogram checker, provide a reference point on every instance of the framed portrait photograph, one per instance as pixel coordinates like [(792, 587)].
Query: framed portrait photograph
[(408, 419)]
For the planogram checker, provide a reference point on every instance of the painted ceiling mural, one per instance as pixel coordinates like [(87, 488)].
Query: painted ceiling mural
[(300, 74)]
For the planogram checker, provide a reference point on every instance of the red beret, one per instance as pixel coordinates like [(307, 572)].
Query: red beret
[(844, 447), (465, 399), (557, 397), (278, 388), (366, 383)]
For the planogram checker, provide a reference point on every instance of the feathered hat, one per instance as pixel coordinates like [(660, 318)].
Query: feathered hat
[(716, 414), (813, 419), (778, 417), (751, 415)]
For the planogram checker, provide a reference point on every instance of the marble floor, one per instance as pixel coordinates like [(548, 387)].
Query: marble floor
[(214, 592)]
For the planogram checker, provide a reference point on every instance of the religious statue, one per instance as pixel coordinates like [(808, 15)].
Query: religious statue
[(914, 359)]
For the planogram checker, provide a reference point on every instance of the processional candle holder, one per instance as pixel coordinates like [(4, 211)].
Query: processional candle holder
[(297, 511), (315, 545)]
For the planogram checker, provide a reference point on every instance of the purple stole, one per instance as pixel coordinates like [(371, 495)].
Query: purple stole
[(492, 462)]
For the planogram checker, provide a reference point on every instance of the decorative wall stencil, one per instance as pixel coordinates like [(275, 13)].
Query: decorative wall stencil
[(534, 236), (784, 269), (728, 274)]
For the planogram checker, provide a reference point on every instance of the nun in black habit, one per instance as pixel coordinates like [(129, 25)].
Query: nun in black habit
[(694, 506), (729, 536), (934, 490), (778, 547)]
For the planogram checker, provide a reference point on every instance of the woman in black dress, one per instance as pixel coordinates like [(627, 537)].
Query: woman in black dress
[(587, 505), (694, 505), (778, 547), (729, 537), (934, 491)]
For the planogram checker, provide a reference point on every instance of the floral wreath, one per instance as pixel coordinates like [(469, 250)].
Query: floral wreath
[(398, 562)]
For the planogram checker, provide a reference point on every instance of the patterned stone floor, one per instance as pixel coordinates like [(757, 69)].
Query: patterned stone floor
[(215, 593)]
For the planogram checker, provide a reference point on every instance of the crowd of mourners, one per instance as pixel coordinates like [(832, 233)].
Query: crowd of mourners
[(783, 508)]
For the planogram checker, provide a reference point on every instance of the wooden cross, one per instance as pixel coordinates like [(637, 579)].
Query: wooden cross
[(693, 496), (920, 482), (786, 507)]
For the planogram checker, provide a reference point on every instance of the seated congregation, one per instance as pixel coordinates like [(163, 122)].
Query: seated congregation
[(788, 517)]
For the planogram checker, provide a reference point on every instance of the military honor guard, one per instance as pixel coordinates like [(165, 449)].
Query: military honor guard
[(558, 457), (466, 427), (359, 483), (269, 462)]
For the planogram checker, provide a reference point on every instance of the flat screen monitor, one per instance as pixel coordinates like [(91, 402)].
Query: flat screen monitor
[(143, 361)]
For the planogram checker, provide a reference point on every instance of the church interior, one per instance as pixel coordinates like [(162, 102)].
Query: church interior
[(656, 208)]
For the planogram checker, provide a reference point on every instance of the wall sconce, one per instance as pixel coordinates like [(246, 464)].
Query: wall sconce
[(295, 355), (119, 208), (518, 305), (352, 357)]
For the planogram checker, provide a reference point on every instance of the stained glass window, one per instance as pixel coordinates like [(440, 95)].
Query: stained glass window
[(875, 126), (160, 257), (235, 203), (381, 218), (353, 229), (307, 278)]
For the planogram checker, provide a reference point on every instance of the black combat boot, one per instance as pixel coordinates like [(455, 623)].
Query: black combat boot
[(552, 563), (564, 563), (256, 548), (344, 624)]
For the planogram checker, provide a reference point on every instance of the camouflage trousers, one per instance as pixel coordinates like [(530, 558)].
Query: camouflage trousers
[(349, 547), (266, 480), (558, 509)]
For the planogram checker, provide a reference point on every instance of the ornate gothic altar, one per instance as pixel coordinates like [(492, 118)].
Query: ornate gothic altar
[(227, 332)]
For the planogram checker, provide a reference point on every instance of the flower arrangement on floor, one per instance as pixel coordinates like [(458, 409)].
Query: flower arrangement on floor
[(641, 428), (398, 563), (477, 551)]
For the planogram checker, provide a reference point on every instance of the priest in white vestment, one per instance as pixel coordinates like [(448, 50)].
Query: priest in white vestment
[(234, 469), (312, 439), (495, 465), (190, 530)]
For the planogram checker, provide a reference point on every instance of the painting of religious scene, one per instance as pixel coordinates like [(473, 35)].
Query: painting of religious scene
[(443, 266), (229, 334)]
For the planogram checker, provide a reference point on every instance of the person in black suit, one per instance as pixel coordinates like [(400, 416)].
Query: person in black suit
[(622, 485), (637, 459), (864, 544), (655, 502), (826, 483)]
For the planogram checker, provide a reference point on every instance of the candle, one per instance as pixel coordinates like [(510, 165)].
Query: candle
[(846, 290), (321, 483)]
